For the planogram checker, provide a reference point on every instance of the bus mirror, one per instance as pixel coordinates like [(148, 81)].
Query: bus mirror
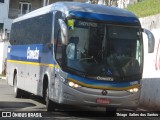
[(151, 40), (64, 33)]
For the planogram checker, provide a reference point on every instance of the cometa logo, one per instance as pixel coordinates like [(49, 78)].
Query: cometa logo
[(32, 54), (87, 24)]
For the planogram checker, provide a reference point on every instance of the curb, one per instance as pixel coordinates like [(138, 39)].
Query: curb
[(4, 78)]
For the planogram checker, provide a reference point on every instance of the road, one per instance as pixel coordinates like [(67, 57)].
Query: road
[(27, 107)]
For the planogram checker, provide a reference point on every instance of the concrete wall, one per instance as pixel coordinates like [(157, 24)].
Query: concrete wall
[(4, 8), (3, 53), (3, 11), (150, 94), (1, 58)]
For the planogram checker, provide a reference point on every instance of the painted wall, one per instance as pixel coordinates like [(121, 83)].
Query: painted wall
[(1, 58), (4, 8), (3, 53), (150, 94), (4, 11)]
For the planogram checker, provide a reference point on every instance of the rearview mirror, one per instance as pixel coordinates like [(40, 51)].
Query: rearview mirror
[(64, 33), (151, 40)]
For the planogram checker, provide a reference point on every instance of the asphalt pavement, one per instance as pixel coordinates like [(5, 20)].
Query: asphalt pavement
[(33, 108)]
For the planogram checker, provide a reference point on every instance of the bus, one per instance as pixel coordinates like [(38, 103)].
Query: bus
[(79, 54)]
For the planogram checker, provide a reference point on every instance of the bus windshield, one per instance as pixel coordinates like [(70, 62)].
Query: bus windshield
[(99, 49)]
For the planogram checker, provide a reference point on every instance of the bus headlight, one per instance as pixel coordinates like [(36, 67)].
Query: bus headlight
[(133, 90), (74, 85), (70, 83)]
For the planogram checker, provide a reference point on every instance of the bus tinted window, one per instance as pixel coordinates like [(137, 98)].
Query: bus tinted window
[(36, 30)]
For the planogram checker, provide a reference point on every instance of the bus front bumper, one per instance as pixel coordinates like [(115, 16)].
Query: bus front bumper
[(83, 96)]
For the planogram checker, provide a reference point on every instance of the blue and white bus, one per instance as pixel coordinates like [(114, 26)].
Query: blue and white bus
[(81, 54)]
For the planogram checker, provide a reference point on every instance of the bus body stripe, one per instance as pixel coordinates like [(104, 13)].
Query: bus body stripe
[(85, 83), (31, 63), (102, 84), (103, 87)]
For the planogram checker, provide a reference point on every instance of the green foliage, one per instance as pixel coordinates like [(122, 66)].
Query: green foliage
[(145, 8)]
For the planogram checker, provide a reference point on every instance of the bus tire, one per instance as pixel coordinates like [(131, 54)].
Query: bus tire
[(25, 94), (17, 91), (50, 105)]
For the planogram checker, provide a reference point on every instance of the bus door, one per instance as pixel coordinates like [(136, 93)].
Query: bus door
[(57, 54)]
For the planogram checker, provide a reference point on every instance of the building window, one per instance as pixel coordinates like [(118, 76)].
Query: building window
[(1, 1), (24, 7), (1, 26)]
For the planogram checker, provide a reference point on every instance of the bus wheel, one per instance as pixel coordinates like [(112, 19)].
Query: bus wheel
[(17, 91), (50, 105), (25, 94)]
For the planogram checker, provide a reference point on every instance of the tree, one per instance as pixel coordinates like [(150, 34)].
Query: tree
[(105, 2)]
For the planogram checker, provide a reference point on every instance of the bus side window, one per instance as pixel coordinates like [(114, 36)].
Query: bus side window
[(58, 48)]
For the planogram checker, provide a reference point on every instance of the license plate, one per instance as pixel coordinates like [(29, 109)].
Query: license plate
[(103, 100)]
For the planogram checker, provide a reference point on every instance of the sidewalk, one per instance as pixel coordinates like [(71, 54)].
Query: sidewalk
[(3, 77)]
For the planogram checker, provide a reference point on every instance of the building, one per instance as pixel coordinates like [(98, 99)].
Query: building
[(5, 23), (9, 10)]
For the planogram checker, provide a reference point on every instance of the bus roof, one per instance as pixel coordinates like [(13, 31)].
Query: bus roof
[(85, 10)]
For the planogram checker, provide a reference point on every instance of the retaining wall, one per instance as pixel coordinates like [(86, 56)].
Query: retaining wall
[(150, 93)]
